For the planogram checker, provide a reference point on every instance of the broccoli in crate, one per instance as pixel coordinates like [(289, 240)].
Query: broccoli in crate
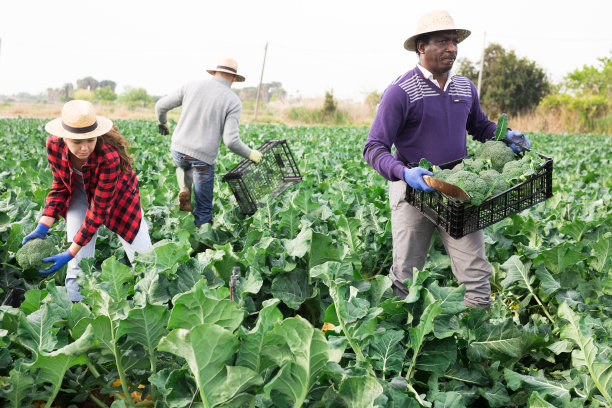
[(493, 169)]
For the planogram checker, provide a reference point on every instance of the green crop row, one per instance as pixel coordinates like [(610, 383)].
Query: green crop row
[(165, 333)]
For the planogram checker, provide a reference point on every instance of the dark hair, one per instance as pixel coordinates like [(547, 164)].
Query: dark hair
[(424, 38), (116, 140)]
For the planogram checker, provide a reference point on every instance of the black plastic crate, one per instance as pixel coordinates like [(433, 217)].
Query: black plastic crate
[(458, 218), (251, 182), (15, 298)]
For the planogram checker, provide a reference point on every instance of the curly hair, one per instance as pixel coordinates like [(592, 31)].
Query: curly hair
[(116, 140)]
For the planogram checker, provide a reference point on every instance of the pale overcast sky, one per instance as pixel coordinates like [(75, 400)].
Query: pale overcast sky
[(353, 47)]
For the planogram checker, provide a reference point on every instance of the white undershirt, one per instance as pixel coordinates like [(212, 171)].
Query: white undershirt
[(430, 76)]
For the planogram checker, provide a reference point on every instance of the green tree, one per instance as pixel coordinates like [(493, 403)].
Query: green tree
[(107, 83), (372, 100), (87, 83), (329, 105), (509, 84), (105, 94), (135, 97), (466, 68), (584, 99), (591, 80)]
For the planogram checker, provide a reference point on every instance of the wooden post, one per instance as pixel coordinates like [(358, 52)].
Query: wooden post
[(484, 43), (260, 80)]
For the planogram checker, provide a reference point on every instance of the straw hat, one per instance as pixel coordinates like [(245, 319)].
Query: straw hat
[(434, 21), (229, 66), (79, 121)]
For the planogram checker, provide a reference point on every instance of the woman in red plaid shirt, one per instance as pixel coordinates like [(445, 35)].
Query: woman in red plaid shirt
[(93, 184)]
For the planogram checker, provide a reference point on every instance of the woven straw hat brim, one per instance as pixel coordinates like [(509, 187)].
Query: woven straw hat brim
[(55, 128), (239, 78), (410, 44)]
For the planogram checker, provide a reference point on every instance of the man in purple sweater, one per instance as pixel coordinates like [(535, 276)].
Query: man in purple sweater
[(426, 113)]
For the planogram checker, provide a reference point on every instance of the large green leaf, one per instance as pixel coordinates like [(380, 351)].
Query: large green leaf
[(437, 356), (116, 279), (602, 253), (358, 392), (252, 341), (418, 333), (36, 331), (301, 352), (496, 342), (387, 352), (517, 274), (561, 257), (195, 307), (349, 227), (323, 250), (19, 386), (543, 386), (293, 288), (290, 221), (299, 246), (53, 366), (176, 386), (206, 348), (145, 326), (168, 257), (450, 399), (586, 355)]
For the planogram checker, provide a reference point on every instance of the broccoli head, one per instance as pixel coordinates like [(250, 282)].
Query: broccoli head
[(31, 254), (471, 183), (498, 152), (442, 174), (474, 165), (518, 170), (495, 182)]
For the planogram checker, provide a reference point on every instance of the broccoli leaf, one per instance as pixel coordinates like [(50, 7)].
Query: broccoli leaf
[(502, 127), (424, 163)]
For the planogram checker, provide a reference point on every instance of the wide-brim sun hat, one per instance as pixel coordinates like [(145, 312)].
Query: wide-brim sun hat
[(433, 21), (79, 121), (229, 66)]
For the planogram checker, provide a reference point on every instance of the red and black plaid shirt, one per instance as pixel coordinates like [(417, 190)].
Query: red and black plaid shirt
[(113, 196)]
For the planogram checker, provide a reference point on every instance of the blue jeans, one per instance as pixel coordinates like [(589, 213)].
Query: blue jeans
[(203, 186)]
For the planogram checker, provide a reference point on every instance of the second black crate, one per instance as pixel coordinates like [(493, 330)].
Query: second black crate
[(251, 182)]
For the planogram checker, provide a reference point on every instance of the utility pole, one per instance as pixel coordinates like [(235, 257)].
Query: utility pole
[(484, 43), (260, 80)]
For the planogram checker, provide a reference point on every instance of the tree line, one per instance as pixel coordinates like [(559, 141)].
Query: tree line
[(516, 85)]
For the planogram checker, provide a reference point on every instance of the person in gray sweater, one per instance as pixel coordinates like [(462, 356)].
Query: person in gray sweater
[(211, 113)]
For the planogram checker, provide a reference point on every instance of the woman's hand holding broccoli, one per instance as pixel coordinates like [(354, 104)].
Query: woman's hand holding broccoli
[(40, 232), (60, 260)]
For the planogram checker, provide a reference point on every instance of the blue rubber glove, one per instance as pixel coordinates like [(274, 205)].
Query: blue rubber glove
[(40, 232), (516, 136), (60, 260), (414, 178)]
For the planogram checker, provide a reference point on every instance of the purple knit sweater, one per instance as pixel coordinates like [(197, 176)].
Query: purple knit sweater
[(423, 121)]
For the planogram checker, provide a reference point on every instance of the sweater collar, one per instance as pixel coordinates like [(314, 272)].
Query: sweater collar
[(221, 80)]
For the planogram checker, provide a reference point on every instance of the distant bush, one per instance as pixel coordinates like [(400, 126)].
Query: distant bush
[(83, 94), (578, 113), (135, 97), (318, 116), (105, 94)]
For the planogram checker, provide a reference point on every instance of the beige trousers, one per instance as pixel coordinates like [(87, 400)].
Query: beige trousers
[(412, 233)]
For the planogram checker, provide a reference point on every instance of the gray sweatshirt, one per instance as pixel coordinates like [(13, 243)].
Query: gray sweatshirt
[(211, 111)]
